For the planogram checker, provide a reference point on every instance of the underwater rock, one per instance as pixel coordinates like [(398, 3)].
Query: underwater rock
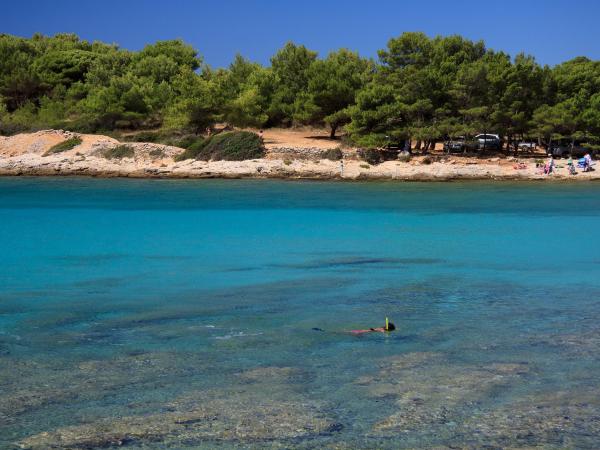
[(196, 418), (576, 345), (566, 419), (357, 261), (397, 363), (428, 391), (274, 375), (29, 386)]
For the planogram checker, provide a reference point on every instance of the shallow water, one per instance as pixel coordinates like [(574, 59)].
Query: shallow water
[(172, 314)]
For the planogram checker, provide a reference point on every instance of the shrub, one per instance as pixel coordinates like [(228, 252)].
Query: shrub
[(192, 149), (119, 152), (183, 141), (10, 128), (287, 162), (365, 166), (233, 146), (64, 146), (370, 155), (427, 160), (332, 154), (144, 136)]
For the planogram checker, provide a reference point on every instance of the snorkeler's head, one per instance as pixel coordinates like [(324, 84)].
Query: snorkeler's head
[(390, 327)]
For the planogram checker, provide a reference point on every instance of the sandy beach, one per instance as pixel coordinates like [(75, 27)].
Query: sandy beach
[(290, 154)]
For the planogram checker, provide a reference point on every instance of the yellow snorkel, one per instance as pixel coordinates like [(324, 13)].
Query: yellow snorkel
[(387, 324)]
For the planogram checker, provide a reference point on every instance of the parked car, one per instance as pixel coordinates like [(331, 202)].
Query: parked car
[(489, 141), (560, 150), (460, 144), (527, 146), (397, 145)]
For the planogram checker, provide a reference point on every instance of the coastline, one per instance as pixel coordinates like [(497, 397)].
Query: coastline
[(23, 155)]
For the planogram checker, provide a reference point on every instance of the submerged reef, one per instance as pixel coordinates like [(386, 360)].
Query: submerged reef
[(263, 407), (415, 399), (471, 406)]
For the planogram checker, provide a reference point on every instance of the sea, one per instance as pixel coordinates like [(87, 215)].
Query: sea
[(218, 314)]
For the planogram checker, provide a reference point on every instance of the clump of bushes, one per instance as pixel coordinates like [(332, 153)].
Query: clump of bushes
[(182, 141), (370, 155), (119, 152), (332, 154), (64, 146), (427, 160), (11, 128), (230, 146), (144, 136), (234, 146), (193, 147), (365, 166)]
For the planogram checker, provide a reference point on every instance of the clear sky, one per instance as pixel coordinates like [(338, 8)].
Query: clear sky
[(551, 30)]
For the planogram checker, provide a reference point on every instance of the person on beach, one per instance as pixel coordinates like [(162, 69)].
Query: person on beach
[(549, 166), (389, 326), (571, 166), (587, 164)]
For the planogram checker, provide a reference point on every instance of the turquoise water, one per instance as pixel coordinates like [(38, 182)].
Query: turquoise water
[(174, 314)]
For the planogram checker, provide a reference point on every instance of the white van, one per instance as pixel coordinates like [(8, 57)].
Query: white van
[(489, 141)]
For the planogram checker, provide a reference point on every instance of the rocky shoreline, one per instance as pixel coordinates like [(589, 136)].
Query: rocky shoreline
[(25, 155)]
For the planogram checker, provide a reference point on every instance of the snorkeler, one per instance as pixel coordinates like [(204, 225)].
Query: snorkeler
[(389, 326)]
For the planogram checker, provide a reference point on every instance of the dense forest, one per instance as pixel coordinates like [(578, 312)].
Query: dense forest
[(422, 88)]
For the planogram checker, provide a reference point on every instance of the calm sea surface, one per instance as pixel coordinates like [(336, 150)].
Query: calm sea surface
[(174, 314)]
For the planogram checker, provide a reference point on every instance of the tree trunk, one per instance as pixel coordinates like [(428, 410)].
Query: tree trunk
[(333, 130)]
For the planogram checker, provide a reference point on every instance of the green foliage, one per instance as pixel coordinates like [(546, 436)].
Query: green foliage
[(7, 125), (422, 88), (182, 141), (376, 115), (145, 136), (291, 69), (193, 148), (332, 86), (429, 89), (64, 146), (11, 128), (233, 146), (119, 152), (229, 146)]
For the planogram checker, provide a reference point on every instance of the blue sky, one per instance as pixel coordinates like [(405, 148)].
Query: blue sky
[(552, 30)]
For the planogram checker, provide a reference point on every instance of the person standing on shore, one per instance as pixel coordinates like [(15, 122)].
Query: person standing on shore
[(587, 162), (549, 166)]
